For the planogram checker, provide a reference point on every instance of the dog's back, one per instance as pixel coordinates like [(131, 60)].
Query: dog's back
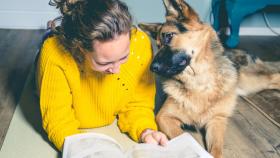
[(254, 74)]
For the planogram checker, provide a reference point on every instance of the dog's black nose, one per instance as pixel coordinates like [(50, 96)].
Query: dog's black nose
[(155, 67)]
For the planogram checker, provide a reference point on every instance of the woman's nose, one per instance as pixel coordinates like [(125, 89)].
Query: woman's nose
[(115, 68)]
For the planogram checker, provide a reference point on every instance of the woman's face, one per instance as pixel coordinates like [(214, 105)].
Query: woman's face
[(109, 55)]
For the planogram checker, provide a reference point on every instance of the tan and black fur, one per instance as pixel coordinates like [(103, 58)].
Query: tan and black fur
[(202, 80)]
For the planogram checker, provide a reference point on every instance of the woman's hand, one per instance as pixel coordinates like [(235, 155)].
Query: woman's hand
[(154, 137)]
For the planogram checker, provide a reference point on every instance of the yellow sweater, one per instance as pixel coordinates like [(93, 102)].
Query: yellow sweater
[(70, 100)]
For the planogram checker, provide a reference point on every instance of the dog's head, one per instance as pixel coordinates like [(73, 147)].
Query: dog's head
[(182, 40)]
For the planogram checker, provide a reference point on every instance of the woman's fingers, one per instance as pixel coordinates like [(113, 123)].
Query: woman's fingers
[(160, 138), (155, 137)]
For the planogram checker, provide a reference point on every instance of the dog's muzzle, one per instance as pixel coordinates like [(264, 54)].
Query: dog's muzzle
[(168, 63)]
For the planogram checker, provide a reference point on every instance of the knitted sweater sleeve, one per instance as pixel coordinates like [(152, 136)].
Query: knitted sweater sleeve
[(138, 114), (58, 117)]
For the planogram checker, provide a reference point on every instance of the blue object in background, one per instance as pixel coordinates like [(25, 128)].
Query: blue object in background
[(237, 10)]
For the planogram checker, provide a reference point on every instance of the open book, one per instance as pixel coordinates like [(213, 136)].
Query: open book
[(95, 145)]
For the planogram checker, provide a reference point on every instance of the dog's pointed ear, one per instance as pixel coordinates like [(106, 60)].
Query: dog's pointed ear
[(171, 11), (179, 10), (151, 28)]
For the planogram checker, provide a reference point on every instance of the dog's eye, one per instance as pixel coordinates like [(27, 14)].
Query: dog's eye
[(183, 62), (167, 37)]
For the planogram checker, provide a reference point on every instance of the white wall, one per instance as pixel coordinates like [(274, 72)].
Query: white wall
[(154, 11), (34, 14), (25, 14), (255, 24)]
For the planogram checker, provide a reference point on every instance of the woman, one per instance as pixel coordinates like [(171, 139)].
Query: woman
[(94, 69)]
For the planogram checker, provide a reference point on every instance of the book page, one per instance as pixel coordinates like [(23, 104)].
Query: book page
[(183, 146), (91, 145), (96, 145)]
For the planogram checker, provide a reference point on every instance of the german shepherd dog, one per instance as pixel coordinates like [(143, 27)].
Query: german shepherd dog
[(202, 80)]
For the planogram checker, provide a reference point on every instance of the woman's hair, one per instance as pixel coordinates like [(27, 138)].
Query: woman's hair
[(84, 21)]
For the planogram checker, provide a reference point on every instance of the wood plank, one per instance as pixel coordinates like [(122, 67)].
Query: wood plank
[(268, 103), (265, 47), (251, 134), (7, 108)]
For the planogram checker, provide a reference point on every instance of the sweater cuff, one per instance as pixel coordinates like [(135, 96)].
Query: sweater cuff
[(142, 125), (59, 141)]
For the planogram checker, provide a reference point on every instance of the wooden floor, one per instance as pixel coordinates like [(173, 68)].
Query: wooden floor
[(268, 49), (250, 133), (17, 51)]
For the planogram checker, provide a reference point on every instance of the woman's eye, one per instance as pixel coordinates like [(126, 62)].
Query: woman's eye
[(167, 37), (124, 58), (103, 64)]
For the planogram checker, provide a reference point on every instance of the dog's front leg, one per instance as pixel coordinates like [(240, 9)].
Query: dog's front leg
[(169, 125), (167, 119), (215, 130)]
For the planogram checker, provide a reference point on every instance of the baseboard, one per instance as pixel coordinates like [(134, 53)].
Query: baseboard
[(25, 19), (257, 31), (260, 31)]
